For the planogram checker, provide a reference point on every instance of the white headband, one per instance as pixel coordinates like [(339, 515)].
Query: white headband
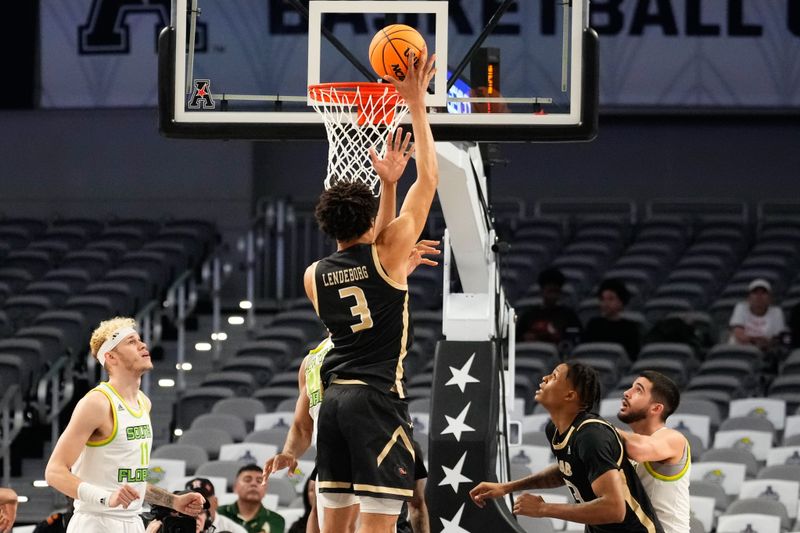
[(112, 341)]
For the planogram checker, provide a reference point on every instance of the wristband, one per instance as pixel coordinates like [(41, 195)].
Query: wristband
[(91, 494)]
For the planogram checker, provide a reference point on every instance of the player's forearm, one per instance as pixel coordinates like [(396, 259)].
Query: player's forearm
[(387, 208), (297, 441), (641, 447), (418, 516), (427, 164), (60, 478), (158, 496), (548, 478), (595, 512)]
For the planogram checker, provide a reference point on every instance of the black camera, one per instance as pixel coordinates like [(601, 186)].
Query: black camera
[(172, 521)]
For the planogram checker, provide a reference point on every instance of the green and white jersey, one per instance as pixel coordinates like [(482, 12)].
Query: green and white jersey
[(314, 391), (668, 489), (122, 458)]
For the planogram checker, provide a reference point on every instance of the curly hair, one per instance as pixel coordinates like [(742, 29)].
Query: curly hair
[(346, 211), (587, 384), (105, 329)]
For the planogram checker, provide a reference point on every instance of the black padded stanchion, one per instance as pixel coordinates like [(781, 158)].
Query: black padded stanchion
[(462, 450)]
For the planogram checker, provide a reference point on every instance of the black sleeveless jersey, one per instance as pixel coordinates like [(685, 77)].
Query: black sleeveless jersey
[(366, 314), (590, 448)]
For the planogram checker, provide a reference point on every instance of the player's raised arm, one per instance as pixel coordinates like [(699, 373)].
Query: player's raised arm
[(397, 239)]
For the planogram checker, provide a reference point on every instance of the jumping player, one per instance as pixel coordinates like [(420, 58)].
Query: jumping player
[(591, 463), (360, 293), (663, 455), (101, 460)]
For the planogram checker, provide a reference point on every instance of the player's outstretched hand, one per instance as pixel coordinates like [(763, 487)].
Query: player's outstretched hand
[(153, 527), (190, 503), (417, 256), (398, 152), (529, 505), (418, 77), (278, 462), (124, 496), (487, 491)]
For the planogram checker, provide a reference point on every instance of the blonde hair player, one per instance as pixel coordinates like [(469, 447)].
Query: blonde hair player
[(102, 457)]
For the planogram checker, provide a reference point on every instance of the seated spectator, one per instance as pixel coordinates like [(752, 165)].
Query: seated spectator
[(206, 488), (247, 510), (610, 326), (756, 321), (549, 322), (308, 523)]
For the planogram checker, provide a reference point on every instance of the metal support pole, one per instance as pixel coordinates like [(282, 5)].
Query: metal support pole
[(146, 328), (181, 343), (251, 277), (216, 319), (280, 249)]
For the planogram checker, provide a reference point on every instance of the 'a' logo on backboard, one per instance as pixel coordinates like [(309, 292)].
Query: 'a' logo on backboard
[(201, 95)]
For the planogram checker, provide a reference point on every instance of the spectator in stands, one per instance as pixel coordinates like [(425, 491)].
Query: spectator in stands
[(247, 510), (8, 508), (206, 488), (756, 321), (663, 461), (308, 523), (551, 321), (611, 326)]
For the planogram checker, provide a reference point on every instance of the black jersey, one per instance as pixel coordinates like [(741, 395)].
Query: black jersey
[(590, 448), (366, 314)]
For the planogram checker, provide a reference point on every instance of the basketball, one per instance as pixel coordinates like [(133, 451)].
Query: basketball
[(390, 48)]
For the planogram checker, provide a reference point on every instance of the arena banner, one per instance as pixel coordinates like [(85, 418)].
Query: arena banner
[(662, 53)]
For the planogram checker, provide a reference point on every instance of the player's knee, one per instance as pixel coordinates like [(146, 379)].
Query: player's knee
[(381, 507)]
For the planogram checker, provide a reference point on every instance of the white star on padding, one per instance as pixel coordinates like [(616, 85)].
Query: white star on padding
[(453, 476), (453, 526), (456, 426), (461, 376)]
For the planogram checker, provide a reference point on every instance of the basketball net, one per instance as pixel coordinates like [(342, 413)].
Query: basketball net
[(357, 116)]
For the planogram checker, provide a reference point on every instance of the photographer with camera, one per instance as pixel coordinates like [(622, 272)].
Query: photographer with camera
[(206, 488), (102, 458), (166, 520)]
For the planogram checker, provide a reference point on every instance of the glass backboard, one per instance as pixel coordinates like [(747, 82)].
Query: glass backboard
[(506, 70)]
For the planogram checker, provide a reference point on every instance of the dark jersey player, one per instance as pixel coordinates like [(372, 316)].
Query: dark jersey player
[(364, 446), (609, 498)]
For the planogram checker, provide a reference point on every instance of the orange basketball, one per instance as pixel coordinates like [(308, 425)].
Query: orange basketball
[(390, 48)]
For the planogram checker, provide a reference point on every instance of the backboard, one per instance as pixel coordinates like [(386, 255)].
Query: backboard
[(507, 70)]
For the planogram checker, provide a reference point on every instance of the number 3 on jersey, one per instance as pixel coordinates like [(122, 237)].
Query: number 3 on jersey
[(360, 310)]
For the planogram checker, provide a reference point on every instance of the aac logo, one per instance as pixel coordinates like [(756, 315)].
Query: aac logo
[(201, 95), (107, 30)]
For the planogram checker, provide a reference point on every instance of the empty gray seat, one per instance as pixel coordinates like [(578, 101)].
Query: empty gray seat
[(196, 402), (760, 506), (710, 489), (193, 455), (272, 396), (787, 472), (210, 439), (733, 455), (284, 490), (276, 436), (232, 425), (245, 409), (240, 383)]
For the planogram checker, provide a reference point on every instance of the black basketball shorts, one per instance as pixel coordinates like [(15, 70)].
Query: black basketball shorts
[(364, 443)]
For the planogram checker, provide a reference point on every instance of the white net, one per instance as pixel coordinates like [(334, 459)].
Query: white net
[(357, 116)]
